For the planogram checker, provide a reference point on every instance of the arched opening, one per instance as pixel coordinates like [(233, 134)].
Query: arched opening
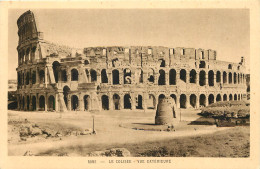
[(161, 96), (151, 102), (127, 101), (66, 91), (105, 102), (64, 75), (86, 102), (33, 103), (183, 101), (139, 102), (86, 62), (229, 66), (116, 99), (104, 78), (51, 104), (27, 78), (93, 75), (28, 102), (211, 99), (235, 97), (202, 64), (172, 77), (33, 53), (218, 78), (224, 77), (174, 97), (211, 78), (56, 69), (238, 97), (74, 102), (202, 100), (33, 77), (127, 76), (202, 78), (41, 103), (23, 103), (115, 74), (238, 78), (224, 97), (193, 100), (218, 98), (230, 97), (74, 75), (193, 76), (230, 78), (162, 61), (235, 78), (161, 80), (151, 75), (183, 75), (27, 54)]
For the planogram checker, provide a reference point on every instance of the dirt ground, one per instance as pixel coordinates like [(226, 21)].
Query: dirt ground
[(113, 128)]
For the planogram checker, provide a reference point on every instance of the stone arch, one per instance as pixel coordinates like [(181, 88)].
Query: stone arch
[(230, 97), (224, 77), (161, 79), (193, 100), (152, 102), (42, 103), (193, 76), (218, 98), (87, 101), (202, 64), (56, 70), (74, 75), (211, 78), (127, 76), (235, 96), (202, 100), (104, 78), (172, 77), (64, 76), (139, 102), (28, 54), (224, 97), (202, 78), (211, 99), (66, 91), (127, 101), (139, 75), (183, 75), (105, 102), (115, 75), (183, 101), (33, 77), (33, 103), (151, 75), (230, 78), (229, 66), (93, 75), (27, 78), (51, 103), (218, 77), (235, 78), (74, 102), (28, 102), (116, 100), (174, 97), (42, 76)]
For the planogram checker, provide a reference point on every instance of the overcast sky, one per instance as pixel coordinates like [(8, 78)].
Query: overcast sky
[(224, 30)]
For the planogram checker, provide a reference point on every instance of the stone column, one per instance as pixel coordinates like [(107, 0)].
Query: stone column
[(197, 101), (110, 78), (46, 102), (111, 102), (177, 77), (81, 103), (133, 101), (18, 102), (30, 105), (187, 76), (206, 78), (57, 102), (215, 79), (121, 102), (188, 101), (37, 75), (68, 75), (145, 98), (167, 78), (37, 101), (121, 77), (156, 76), (178, 101), (197, 78), (46, 76), (69, 102), (207, 100)]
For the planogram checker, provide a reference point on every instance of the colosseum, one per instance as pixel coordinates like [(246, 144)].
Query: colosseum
[(52, 77)]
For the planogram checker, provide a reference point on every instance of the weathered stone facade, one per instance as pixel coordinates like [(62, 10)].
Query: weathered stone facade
[(53, 77)]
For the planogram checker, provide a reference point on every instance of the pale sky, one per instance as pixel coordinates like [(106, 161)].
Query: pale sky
[(224, 30)]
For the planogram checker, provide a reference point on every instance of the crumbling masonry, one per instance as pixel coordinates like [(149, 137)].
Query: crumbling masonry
[(59, 78)]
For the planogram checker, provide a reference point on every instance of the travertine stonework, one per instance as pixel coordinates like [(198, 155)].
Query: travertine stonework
[(53, 77)]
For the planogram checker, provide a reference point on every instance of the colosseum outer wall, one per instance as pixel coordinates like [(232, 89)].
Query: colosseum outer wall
[(58, 78)]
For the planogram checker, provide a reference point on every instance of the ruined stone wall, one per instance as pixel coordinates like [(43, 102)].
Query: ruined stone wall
[(53, 77)]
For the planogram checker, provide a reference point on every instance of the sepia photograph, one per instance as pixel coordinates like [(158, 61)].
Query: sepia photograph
[(129, 83)]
